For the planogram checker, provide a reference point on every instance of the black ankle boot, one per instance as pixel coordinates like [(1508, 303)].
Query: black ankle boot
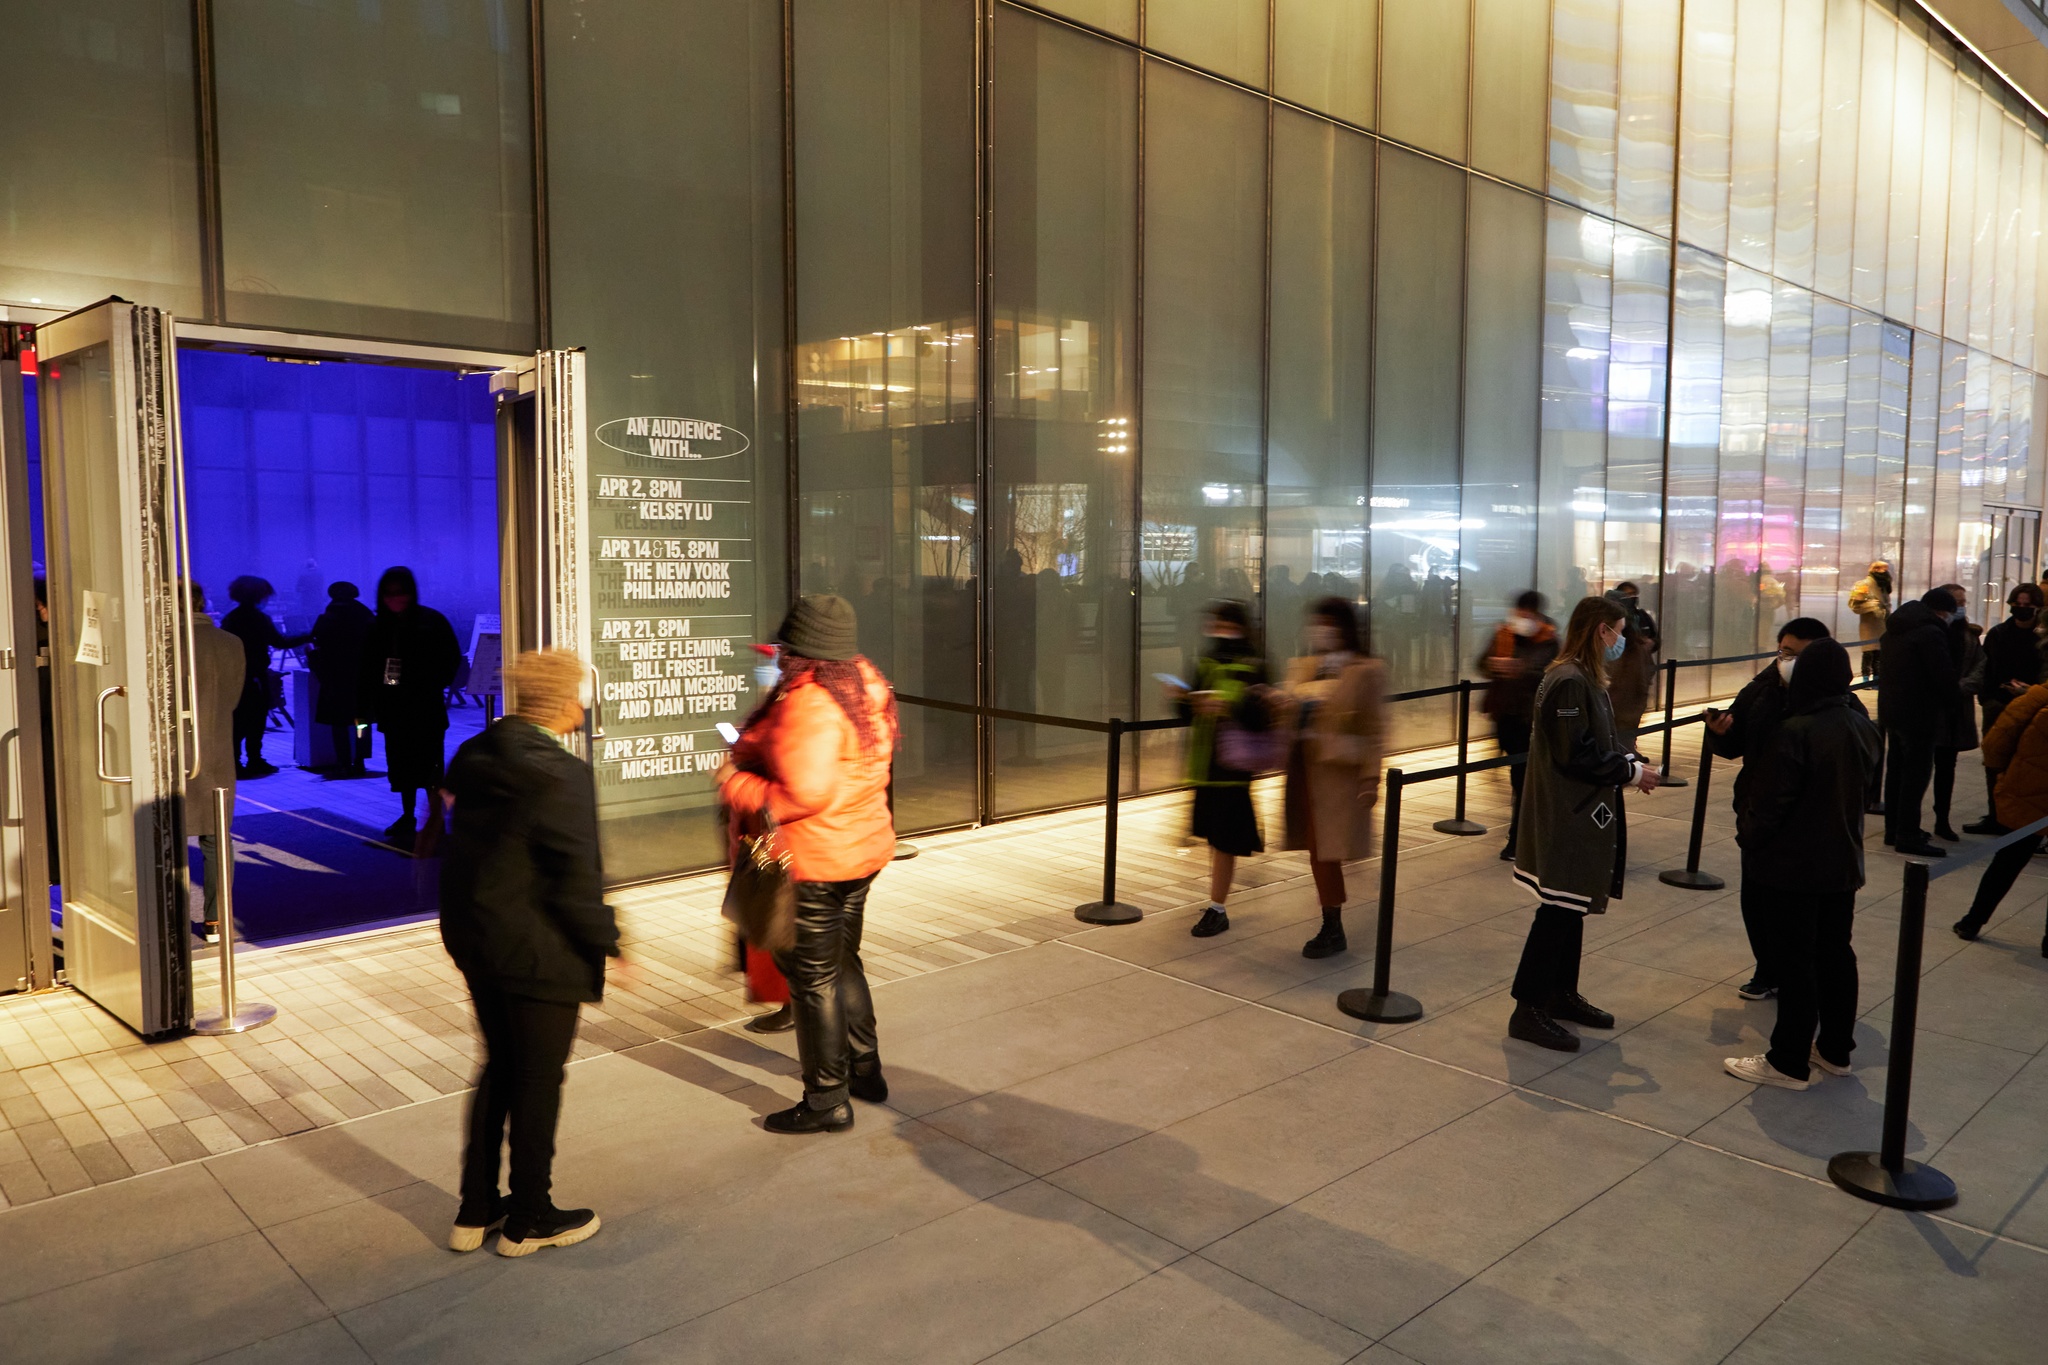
[(866, 1082), (1329, 941), (804, 1119), (1943, 830), (1212, 923), (1576, 1009), (1532, 1025), (1967, 928)]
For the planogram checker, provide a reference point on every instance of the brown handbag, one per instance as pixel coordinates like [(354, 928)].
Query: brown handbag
[(761, 897)]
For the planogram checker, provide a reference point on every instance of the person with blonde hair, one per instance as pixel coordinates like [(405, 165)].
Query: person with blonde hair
[(1573, 844), (524, 917)]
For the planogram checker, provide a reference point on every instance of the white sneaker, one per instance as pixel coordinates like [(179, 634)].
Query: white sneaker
[(1759, 1071), (1825, 1065)]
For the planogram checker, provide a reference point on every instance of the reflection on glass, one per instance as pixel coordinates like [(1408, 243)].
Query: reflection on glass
[(1647, 106), (1632, 536), (1948, 456), (1907, 136), (1740, 582), (1111, 16), (1510, 86), (1894, 377), (1577, 317), (1422, 74), (1799, 103), (1753, 137), (886, 360), (1783, 530), (1224, 36), (1937, 152), (1063, 378), (1585, 38), (1691, 487), (1325, 55), (1827, 573), (1860, 492), (1705, 112), (1835, 215), (1321, 327), (1873, 160)]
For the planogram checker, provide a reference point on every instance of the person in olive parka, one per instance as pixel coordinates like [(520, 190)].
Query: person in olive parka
[(410, 659)]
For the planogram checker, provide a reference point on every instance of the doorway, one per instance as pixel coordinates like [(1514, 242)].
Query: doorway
[(2011, 537)]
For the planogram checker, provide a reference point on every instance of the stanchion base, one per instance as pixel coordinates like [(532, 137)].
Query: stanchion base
[(1671, 780), (1916, 1187), (1108, 912), (1458, 827), (1391, 1008), (248, 1015), (904, 851), (1690, 880)]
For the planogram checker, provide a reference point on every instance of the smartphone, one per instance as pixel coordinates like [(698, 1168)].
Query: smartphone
[(728, 732), (1171, 681)]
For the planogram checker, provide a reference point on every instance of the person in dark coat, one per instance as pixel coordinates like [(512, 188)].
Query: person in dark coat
[(337, 663), (221, 667), (1807, 843), (1748, 730), (2012, 664), (1574, 843), (1522, 647), (524, 917), (259, 635), (1956, 729), (1916, 687), (410, 659)]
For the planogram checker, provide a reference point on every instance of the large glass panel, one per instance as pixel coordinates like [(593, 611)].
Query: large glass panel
[(1970, 530), (376, 173), (1705, 112), (1202, 437), (1962, 201), (1753, 140), (665, 143), (1647, 105), (1577, 318), (1422, 74), (886, 362), (1633, 532), (1799, 102), (1325, 55), (1780, 575), (98, 154), (1111, 16), (1923, 422), (1984, 277), (1826, 575), (1694, 462), (1908, 131), (1860, 511), (1835, 214), (1224, 36), (1063, 478), (1894, 376), (1874, 161), (1508, 89), (2011, 173), (1745, 416), (2025, 279), (1318, 370), (1937, 151), (1585, 51), (1415, 501), (1948, 457), (1503, 397)]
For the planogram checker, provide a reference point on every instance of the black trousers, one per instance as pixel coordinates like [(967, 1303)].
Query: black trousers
[(1550, 957), (526, 1045), (2005, 869), (1944, 782), (828, 990), (1909, 767), (1756, 923), (249, 718), (1513, 734), (347, 753), (1817, 978)]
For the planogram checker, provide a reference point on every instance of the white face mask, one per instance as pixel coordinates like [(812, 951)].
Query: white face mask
[(1785, 669), (1524, 625)]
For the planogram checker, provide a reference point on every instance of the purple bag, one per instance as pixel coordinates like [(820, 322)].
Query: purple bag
[(1253, 751)]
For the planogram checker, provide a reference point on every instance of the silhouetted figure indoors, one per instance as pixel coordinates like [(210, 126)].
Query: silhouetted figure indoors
[(410, 659), (337, 663), (250, 623)]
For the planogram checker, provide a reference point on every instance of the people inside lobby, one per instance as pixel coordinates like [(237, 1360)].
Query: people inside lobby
[(261, 693), (337, 663), (410, 659)]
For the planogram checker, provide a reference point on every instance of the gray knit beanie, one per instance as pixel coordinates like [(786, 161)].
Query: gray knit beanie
[(821, 627)]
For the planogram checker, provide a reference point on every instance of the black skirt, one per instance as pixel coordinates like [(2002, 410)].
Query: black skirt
[(415, 756), (1224, 818)]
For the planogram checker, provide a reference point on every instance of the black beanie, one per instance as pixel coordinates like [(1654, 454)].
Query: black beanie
[(821, 627)]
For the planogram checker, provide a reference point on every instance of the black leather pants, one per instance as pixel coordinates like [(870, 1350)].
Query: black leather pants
[(835, 1019)]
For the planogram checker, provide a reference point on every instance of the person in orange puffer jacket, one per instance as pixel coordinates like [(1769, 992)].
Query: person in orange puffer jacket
[(814, 756), (2016, 748)]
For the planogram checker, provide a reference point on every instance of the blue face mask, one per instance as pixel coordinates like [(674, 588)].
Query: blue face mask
[(767, 675), (1615, 650)]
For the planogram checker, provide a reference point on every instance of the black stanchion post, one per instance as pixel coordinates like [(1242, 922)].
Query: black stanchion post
[(1885, 1176), (1671, 779), (1458, 824), (1382, 1004), (1690, 876), (1110, 910)]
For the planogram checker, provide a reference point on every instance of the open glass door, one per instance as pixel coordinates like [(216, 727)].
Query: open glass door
[(112, 483), (25, 959), (542, 464)]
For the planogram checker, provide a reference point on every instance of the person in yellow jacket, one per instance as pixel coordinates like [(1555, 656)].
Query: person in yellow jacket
[(1871, 600)]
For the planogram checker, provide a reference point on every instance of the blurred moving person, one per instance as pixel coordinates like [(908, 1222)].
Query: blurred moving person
[(220, 665), (1956, 727), (337, 662), (524, 917), (1806, 841), (250, 623), (2018, 747), (1523, 646), (1574, 845), (1333, 763), (1871, 601), (1633, 676), (1917, 692), (2012, 664), (1748, 730), (814, 756), (1229, 680), (410, 659)]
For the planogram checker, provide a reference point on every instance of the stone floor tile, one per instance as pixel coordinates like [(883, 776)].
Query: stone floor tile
[(1440, 973), (1666, 1072), (1996, 1158), (47, 1246), (325, 1342)]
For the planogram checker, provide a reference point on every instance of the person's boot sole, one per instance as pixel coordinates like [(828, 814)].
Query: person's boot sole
[(465, 1238), (528, 1245)]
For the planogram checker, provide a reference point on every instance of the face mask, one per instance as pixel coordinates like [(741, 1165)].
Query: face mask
[(1524, 626), (766, 675), (1785, 670), (1615, 650), (1962, 615), (2023, 612)]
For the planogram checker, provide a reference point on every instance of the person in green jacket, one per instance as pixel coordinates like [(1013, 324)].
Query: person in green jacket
[(1227, 674)]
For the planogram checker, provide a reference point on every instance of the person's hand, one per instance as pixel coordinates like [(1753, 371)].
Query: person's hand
[(1722, 723), (2015, 686), (1649, 781), (627, 972)]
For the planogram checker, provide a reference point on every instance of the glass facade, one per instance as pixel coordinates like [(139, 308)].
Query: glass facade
[(1044, 323)]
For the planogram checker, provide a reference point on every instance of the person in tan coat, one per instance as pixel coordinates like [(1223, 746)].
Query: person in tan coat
[(1871, 601), (1333, 766)]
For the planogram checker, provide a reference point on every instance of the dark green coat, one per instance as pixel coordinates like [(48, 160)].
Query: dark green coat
[(1573, 841)]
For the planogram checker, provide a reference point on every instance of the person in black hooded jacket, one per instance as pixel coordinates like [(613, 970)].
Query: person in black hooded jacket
[(409, 661), (1917, 691), (1806, 843), (524, 917), (2012, 664)]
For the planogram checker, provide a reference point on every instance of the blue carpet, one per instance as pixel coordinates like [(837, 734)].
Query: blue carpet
[(310, 873)]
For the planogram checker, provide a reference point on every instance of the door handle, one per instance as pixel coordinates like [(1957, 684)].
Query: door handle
[(100, 738), (596, 703)]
